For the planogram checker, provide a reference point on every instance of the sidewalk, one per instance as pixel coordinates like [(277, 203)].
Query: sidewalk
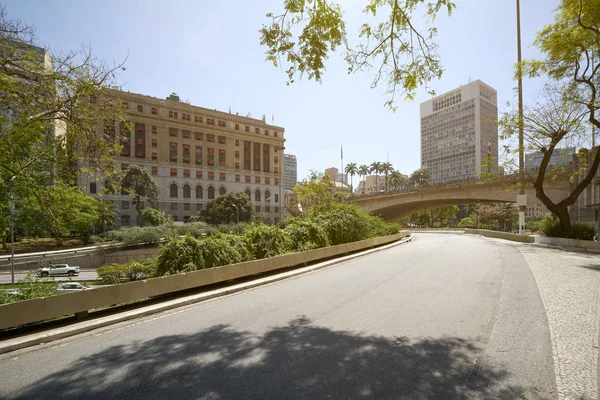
[(569, 285)]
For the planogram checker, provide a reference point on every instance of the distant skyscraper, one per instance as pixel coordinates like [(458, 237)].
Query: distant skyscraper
[(560, 158), (290, 171), (459, 133)]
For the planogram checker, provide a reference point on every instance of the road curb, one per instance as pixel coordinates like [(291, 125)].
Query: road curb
[(86, 326)]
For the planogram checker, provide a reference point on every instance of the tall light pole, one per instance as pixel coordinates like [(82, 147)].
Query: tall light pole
[(237, 212), (521, 198), (12, 230)]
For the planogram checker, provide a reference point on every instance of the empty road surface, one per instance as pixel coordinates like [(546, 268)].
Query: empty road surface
[(442, 317)]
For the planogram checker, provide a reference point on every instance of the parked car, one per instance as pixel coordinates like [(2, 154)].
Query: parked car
[(71, 287), (58, 269)]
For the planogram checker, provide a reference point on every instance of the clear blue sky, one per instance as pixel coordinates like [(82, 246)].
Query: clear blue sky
[(209, 52)]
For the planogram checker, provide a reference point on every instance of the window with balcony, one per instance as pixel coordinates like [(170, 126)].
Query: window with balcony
[(210, 156), (173, 151), (186, 153), (198, 155), (140, 140), (221, 157)]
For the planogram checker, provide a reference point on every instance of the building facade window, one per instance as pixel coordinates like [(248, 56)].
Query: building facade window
[(256, 152), (266, 157), (173, 132), (198, 135), (222, 176), (211, 193), (154, 171), (93, 187), (140, 140), (140, 108), (125, 140), (173, 151), (199, 155), (210, 138), (173, 171), (221, 157), (199, 174), (248, 193), (276, 198), (267, 196), (186, 134), (222, 191), (124, 205), (257, 195), (199, 192), (187, 191), (186, 153), (210, 156), (154, 110), (125, 220), (247, 155), (173, 190), (154, 129)]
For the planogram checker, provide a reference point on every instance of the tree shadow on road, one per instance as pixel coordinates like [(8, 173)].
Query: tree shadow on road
[(295, 361)]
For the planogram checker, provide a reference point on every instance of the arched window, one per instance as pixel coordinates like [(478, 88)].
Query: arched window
[(173, 189), (267, 196), (222, 191), (187, 191), (257, 195), (199, 192), (125, 220), (249, 194), (211, 192)]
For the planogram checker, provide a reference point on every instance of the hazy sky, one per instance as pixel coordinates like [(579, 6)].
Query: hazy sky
[(209, 52)]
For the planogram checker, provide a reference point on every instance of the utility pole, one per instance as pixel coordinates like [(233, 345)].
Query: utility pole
[(521, 197)]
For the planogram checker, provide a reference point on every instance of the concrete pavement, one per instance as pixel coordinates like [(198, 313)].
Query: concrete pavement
[(443, 317)]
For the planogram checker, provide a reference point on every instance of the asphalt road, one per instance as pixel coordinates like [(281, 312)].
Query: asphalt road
[(442, 317), (83, 276)]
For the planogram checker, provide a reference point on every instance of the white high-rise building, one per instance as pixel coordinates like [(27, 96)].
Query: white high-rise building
[(459, 133)]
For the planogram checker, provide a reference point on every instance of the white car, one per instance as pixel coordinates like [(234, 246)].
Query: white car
[(58, 269), (71, 287)]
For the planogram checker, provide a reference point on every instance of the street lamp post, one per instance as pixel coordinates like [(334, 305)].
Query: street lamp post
[(521, 198)]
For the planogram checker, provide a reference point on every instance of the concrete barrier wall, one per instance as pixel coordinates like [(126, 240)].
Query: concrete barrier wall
[(35, 310), (569, 243), (501, 235)]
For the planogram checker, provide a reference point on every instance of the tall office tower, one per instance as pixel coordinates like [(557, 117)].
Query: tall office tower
[(459, 133), (290, 171)]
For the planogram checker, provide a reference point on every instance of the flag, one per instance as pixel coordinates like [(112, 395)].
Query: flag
[(342, 152)]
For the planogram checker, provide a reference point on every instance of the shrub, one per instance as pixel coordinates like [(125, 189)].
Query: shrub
[(550, 226), (266, 241), (196, 229), (179, 255), (110, 274), (345, 224), (138, 234), (466, 223), (217, 251), (238, 243), (306, 235), (394, 228), (582, 231), (137, 270)]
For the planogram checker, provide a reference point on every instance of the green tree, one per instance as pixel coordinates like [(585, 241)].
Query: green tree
[(316, 193), (386, 168), (304, 34), (397, 180), (153, 216), (441, 214), (51, 107), (226, 209), (420, 178), (351, 169), (570, 45), (466, 222), (375, 168), (138, 182), (363, 171), (106, 215), (59, 210)]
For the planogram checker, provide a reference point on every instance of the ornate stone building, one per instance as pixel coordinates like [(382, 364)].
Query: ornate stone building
[(196, 154)]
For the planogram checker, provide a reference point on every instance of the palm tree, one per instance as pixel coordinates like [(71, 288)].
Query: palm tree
[(363, 171), (420, 177), (386, 168), (352, 170), (376, 168), (396, 179)]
